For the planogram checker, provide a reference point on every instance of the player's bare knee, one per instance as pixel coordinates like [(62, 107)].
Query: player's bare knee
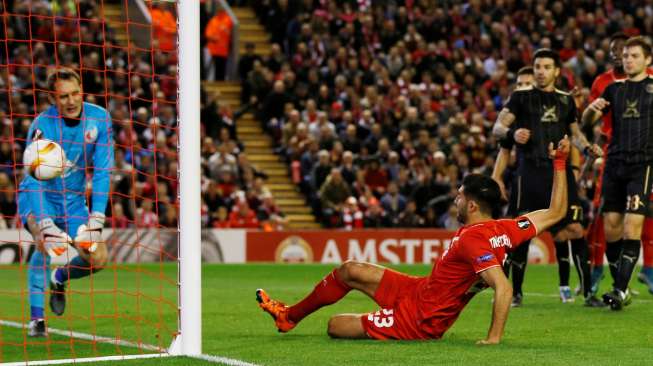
[(633, 232), (574, 231), (332, 327), (349, 271), (561, 235)]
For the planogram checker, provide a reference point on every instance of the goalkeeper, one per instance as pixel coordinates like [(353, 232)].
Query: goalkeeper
[(56, 211)]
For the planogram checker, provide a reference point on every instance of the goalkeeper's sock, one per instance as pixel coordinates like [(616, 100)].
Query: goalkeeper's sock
[(38, 278), (562, 256), (36, 313), (77, 268), (326, 292)]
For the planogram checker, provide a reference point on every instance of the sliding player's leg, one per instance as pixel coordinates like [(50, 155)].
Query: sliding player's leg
[(364, 277), (396, 318)]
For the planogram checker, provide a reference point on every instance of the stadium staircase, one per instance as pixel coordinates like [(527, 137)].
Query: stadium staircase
[(258, 145)]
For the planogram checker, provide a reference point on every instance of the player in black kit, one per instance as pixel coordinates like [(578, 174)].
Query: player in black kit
[(535, 117), (627, 177)]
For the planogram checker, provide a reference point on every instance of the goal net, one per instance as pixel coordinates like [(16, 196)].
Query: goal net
[(126, 303)]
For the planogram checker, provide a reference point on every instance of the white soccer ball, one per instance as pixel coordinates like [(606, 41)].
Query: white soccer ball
[(44, 159)]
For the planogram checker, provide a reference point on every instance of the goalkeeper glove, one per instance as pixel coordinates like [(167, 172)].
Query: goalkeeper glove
[(54, 240), (88, 235)]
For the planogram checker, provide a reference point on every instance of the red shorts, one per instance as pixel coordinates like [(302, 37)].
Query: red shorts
[(397, 317)]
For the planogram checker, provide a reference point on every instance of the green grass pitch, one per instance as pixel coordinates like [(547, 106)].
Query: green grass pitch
[(543, 332)]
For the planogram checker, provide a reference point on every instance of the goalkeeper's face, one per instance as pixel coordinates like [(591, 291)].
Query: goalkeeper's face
[(68, 97)]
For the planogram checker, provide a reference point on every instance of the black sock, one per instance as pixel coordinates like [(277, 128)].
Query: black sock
[(506, 266), (562, 257), (518, 266), (580, 253), (627, 262), (613, 252)]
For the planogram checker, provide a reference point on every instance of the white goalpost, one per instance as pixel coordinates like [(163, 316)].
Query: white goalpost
[(189, 340)]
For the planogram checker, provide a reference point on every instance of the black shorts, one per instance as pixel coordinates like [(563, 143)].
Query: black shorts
[(626, 187), (531, 191)]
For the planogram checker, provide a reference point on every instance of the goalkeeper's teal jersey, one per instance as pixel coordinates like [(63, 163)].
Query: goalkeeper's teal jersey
[(88, 147)]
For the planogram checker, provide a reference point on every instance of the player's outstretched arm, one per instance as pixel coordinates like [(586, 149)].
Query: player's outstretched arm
[(543, 219), (496, 279)]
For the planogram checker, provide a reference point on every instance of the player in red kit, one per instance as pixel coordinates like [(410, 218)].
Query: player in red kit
[(596, 233), (425, 307)]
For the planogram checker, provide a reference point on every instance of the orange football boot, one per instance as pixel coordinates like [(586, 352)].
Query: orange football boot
[(277, 309)]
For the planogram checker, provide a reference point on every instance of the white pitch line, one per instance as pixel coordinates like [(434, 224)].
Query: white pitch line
[(108, 340), (223, 360), (90, 337), (85, 360)]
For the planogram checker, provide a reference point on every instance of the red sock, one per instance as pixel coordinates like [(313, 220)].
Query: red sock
[(647, 242), (596, 240), (326, 292)]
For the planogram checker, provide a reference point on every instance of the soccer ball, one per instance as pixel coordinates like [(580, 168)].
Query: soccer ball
[(44, 159)]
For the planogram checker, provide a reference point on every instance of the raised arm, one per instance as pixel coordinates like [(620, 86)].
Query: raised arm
[(543, 219), (496, 279), (502, 125)]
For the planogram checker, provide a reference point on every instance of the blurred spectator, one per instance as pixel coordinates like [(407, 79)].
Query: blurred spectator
[(164, 27), (118, 218), (333, 194), (218, 35), (393, 203), (242, 216)]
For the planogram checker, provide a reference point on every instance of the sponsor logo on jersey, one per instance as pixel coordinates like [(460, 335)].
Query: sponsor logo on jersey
[(90, 135), (550, 114), (631, 109), (523, 224), (649, 88), (484, 258)]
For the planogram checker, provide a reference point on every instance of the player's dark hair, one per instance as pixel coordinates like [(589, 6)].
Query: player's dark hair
[(61, 73), (641, 42), (619, 36), (485, 192), (548, 53), (526, 70)]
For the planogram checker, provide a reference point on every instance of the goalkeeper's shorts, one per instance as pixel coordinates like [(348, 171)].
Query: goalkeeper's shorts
[(67, 217)]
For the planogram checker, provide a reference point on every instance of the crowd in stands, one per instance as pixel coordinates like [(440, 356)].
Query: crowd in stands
[(139, 89), (381, 107)]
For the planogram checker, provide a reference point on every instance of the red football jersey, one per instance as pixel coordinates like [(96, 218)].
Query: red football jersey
[(455, 279)]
